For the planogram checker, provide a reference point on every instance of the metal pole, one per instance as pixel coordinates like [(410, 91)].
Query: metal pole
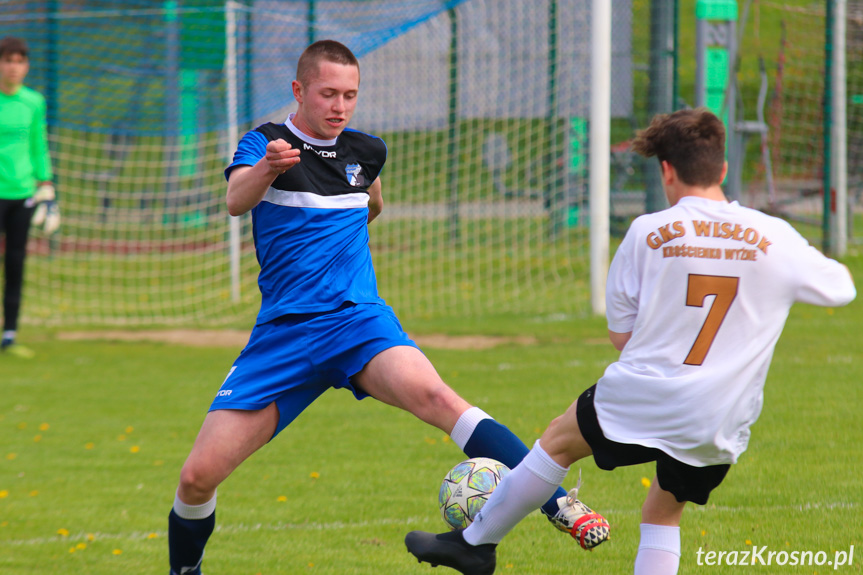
[(660, 96), (827, 182), (310, 31), (600, 142), (233, 136), (552, 182), (676, 56), (840, 130), (52, 85), (173, 135), (249, 105), (452, 135)]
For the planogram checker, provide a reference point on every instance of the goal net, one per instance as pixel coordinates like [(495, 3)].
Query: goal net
[(483, 105)]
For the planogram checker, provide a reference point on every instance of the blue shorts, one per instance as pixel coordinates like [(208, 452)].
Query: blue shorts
[(293, 359)]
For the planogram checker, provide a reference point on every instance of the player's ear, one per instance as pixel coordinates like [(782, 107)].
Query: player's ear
[(297, 89), (668, 173)]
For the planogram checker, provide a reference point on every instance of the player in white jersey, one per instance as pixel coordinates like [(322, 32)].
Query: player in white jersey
[(697, 296)]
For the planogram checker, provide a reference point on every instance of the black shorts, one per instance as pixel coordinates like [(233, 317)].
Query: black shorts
[(685, 482)]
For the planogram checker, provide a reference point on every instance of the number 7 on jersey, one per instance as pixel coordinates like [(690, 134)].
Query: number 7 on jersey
[(699, 287)]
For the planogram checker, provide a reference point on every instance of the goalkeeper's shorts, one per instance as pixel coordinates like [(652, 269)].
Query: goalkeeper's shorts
[(294, 359)]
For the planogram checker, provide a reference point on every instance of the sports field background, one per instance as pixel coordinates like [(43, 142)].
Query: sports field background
[(93, 434)]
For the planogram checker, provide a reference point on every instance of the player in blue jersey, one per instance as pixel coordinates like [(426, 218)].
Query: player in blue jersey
[(313, 187)]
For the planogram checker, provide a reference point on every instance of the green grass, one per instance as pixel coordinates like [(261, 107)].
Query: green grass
[(93, 434)]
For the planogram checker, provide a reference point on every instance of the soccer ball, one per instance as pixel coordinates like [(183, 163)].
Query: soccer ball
[(466, 488)]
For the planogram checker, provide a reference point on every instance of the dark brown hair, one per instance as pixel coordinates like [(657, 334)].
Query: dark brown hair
[(11, 45), (692, 141), (323, 50)]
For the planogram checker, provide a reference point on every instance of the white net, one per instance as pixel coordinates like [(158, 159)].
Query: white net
[(483, 105)]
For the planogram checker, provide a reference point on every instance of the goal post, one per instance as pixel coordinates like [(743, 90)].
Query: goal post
[(600, 147)]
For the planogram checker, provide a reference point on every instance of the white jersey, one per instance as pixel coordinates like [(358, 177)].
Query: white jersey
[(705, 288)]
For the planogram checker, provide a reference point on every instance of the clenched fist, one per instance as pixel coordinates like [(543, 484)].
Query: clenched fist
[(281, 157)]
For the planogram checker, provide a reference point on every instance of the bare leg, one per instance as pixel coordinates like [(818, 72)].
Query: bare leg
[(661, 507), (227, 437), (403, 377), (659, 549), (563, 440)]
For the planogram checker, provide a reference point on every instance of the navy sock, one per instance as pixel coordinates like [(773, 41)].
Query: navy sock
[(186, 541), (491, 439)]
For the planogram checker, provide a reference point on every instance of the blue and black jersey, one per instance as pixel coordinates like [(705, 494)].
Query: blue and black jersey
[(310, 230)]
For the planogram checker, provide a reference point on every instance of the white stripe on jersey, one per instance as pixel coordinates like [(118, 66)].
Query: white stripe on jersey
[(310, 200)]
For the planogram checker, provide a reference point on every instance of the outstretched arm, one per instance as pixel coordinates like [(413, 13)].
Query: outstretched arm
[(247, 185)]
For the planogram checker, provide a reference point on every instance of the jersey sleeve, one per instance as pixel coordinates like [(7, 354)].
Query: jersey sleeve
[(822, 281), (380, 157), (252, 147), (622, 288), (39, 155)]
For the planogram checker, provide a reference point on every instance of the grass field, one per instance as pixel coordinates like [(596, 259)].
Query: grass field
[(93, 434)]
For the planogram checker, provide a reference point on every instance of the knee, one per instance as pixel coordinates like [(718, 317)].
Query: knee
[(439, 405), (195, 484)]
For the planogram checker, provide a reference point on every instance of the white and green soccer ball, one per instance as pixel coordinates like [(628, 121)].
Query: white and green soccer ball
[(467, 487)]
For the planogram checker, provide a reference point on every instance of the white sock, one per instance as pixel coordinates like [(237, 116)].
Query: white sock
[(201, 511), (465, 425), (532, 482), (9, 334), (659, 550)]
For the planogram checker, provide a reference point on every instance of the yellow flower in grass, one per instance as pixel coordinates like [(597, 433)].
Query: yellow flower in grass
[(153, 536), (89, 445), (646, 482), (749, 542), (63, 532), (130, 429), (134, 449), (37, 438), (44, 427), (71, 549), (117, 552), (281, 498), (11, 456), (315, 475), (4, 493), (91, 537), (34, 493), (81, 546)]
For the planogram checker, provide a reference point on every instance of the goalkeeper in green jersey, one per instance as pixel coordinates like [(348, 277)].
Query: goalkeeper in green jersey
[(25, 177)]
